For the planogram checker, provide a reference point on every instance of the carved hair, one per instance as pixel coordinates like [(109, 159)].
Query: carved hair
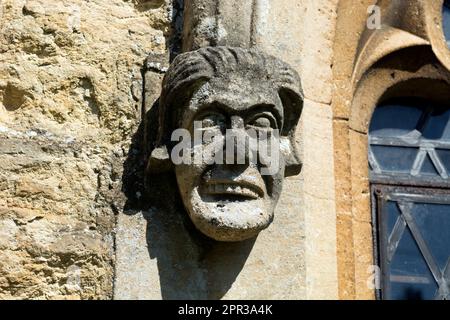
[(189, 71)]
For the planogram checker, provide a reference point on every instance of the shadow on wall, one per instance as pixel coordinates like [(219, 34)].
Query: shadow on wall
[(190, 265)]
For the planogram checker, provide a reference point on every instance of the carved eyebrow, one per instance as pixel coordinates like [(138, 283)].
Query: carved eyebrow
[(214, 107), (210, 106)]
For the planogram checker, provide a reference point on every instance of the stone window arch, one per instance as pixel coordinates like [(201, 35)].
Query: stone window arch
[(406, 56), (382, 87)]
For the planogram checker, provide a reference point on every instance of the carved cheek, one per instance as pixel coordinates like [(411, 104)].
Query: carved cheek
[(203, 155)]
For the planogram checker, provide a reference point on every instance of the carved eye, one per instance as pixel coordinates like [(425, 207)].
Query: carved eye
[(264, 121), (213, 121)]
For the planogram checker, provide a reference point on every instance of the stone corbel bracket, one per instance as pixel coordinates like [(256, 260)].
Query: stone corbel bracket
[(223, 80)]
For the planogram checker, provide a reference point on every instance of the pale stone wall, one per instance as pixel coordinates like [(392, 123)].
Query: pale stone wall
[(302, 33)]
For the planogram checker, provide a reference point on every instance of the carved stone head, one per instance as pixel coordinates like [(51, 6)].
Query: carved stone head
[(219, 90)]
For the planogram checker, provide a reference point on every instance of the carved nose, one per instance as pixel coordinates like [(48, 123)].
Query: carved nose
[(237, 122), (237, 143)]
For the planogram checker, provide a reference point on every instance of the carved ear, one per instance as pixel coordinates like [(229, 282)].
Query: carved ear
[(159, 161), (293, 164), (293, 106)]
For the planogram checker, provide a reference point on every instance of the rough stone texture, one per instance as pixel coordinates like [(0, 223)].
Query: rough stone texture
[(71, 78), (70, 98)]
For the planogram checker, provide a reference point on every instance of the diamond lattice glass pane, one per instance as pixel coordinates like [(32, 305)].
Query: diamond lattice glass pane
[(410, 278), (446, 21), (393, 215), (395, 159), (438, 126), (428, 167), (433, 221), (395, 119), (444, 156)]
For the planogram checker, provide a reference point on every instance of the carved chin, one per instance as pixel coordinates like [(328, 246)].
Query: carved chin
[(233, 219)]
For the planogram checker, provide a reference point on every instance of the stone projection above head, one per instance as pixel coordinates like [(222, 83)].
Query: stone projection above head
[(227, 119)]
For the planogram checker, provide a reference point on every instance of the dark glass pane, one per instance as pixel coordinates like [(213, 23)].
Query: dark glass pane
[(438, 126), (446, 21), (444, 155), (428, 167), (433, 221), (395, 159), (394, 119), (410, 278), (393, 214)]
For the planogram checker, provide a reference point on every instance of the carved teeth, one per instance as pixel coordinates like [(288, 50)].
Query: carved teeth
[(231, 189)]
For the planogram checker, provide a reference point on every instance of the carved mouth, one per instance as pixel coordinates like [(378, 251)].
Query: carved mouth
[(233, 183), (234, 189)]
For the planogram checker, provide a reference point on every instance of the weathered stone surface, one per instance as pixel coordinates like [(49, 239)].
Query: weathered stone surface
[(70, 98), (71, 79), (283, 257)]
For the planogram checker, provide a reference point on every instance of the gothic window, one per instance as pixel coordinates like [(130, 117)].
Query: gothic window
[(409, 159), (446, 22)]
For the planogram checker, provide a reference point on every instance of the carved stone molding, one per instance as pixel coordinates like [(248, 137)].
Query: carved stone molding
[(404, 24), (429, 80)]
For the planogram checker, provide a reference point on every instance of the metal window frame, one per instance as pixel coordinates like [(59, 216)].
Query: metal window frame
[(410, 187), (380, 195), (425, 148)]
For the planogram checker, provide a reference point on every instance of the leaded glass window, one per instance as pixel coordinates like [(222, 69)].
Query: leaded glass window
[(409, 158), (410, 143), (446, 21)]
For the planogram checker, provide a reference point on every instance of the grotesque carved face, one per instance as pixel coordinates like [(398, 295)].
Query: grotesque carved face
[(231, 202), (234, 201)]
